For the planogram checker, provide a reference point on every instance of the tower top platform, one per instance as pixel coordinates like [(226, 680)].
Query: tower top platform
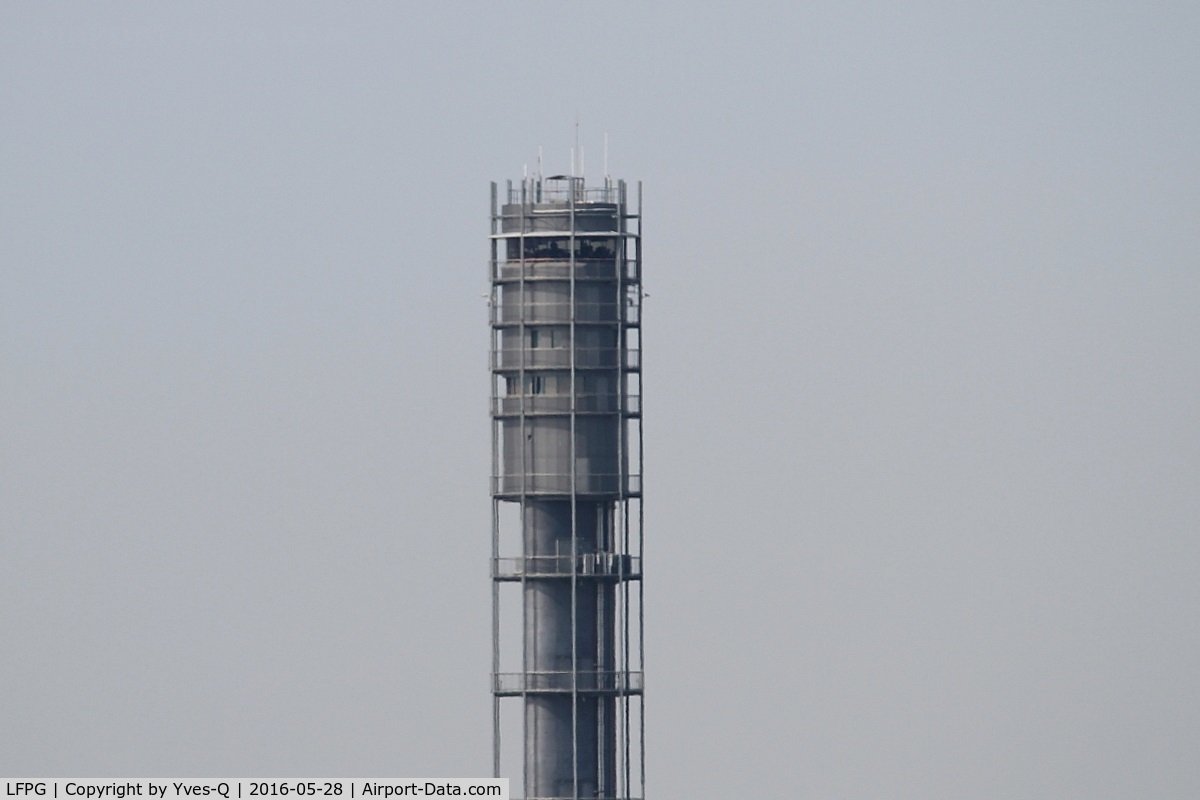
[(563, 190)]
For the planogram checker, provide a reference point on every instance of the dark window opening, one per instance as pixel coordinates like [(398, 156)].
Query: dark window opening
[(559, 248)]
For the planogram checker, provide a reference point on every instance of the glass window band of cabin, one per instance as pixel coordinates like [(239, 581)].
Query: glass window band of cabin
[(559, 247)]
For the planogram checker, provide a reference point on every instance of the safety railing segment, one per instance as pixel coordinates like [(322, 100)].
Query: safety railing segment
[(615, 682), (601, 565)]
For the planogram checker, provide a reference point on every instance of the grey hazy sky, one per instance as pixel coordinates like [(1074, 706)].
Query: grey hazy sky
[(922, 379)]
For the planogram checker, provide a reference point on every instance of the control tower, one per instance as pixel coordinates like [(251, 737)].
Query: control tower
[(567, 537)]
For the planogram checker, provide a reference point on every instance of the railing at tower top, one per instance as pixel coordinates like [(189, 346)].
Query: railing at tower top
[(561, 190)]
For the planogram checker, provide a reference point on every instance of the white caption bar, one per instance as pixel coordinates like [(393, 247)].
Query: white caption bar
[(244, 789)]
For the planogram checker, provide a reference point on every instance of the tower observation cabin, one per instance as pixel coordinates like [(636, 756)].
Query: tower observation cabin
[(567, 533)]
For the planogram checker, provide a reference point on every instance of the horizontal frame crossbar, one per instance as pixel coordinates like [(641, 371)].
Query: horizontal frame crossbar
[(513, 684), (560, 313), (560, 270), (559, 404), (601, 566), (509, 359), (555, 484)]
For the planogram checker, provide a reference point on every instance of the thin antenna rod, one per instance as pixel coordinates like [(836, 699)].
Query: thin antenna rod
[(606, 175)]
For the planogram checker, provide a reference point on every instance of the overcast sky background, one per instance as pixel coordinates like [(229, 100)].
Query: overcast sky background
[(922, 378)]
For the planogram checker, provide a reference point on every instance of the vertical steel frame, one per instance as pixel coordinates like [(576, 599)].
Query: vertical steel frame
[(550, 235)]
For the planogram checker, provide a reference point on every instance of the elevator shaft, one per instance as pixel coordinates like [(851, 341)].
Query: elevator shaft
[(569, 646)]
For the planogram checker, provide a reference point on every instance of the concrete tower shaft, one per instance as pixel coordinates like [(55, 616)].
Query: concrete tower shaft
[(567, 452)]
